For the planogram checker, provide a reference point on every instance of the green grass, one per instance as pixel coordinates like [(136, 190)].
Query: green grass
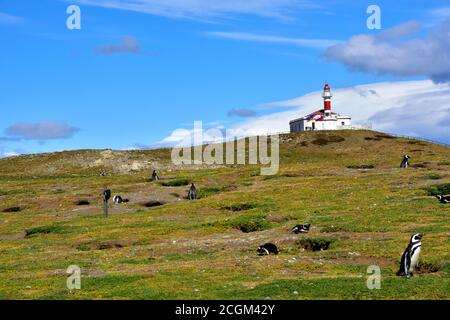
[(315, 244), (241, 206), (209, 191), (175, 183), (206, 249), (432, 176), (56, 229), (250, 223), (438, 189)]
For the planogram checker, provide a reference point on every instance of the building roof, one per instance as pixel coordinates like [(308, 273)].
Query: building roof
[(316, 116)]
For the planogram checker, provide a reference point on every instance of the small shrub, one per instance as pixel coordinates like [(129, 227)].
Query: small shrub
[(175, 183), (176, 195), (416, 142), (249, 224), (241, 206), (438, 189), (444, 163), (428, 267), (46, 230), (384, 136), (315, 244), (372, 138), (432, 176), (209, 191), (83, 247)]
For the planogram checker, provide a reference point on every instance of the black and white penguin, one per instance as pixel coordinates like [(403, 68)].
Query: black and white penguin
[(155, 176), (443, 199), (301, 228), (118, 200), (405, 162), (192, 194), (266, 249), (106, 194), (410, 257)]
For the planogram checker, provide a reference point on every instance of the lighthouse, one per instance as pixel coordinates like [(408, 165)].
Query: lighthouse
[(323, 119), (327, 95)]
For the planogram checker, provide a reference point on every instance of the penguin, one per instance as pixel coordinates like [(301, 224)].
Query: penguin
[(192, 194), (405, 162), (118, 200), (443, 199), (266, 249), (106, 194), (410, 257), (155, 176), (301, 228)]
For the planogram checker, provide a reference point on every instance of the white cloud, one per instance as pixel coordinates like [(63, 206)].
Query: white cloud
[(11, 153), (42, 130), (243, 36), (207, 9), (417, 108), (390, 53)]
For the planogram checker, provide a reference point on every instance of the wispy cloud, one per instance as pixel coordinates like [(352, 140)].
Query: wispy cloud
[(42, 130), (390, 53), (6, 18), (128, 44), (441, 13), (207, 9), (244, 36), (245, 113), (8, 139)]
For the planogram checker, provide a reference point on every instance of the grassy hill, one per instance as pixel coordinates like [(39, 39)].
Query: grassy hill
[(347, 184)]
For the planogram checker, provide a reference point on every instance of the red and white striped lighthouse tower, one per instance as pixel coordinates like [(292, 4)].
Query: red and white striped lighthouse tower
[(327, 95)]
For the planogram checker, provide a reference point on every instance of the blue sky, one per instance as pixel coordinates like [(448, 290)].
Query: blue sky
[(132, 77)]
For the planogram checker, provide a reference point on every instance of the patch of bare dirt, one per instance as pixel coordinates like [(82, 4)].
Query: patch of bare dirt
[(104, 245), (15, 236)]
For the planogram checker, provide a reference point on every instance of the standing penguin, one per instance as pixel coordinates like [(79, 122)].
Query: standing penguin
[(192, 194), (410, 257), (405, 162), (155, 176)]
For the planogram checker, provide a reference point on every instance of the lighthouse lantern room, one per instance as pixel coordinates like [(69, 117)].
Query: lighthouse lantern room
[(324, 119)]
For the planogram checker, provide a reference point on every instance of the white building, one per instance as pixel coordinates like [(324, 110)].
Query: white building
[(323, 119)]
